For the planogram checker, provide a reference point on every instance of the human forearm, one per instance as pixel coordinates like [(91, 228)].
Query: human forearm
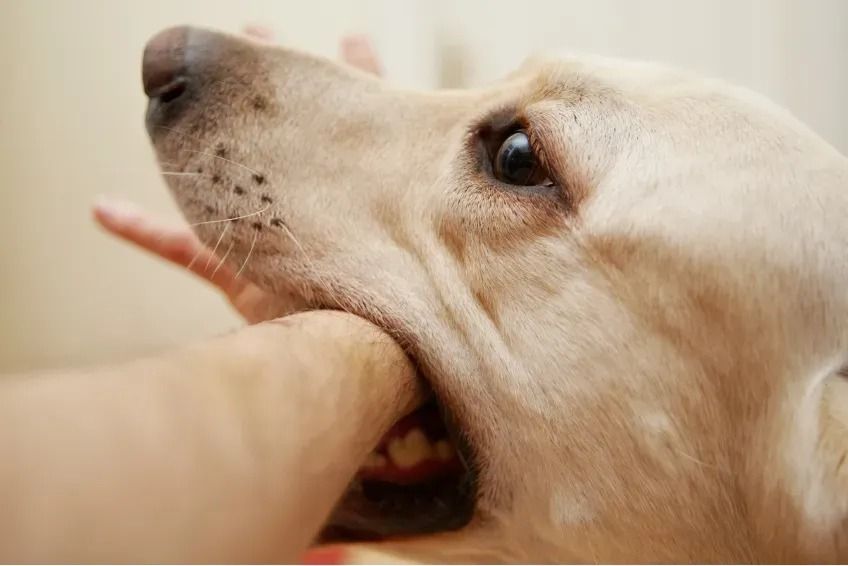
[(233, 449)]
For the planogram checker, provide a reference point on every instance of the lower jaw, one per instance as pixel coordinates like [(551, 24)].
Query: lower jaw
[(375, 509)]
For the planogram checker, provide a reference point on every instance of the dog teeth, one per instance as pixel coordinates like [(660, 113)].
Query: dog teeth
[(443, 450), (410, 450), (375, 460)]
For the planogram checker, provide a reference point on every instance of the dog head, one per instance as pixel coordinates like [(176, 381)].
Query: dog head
[(624, 284)]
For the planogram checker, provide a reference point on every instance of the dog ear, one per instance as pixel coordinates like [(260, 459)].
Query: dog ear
[(801, 512), (826, 490), (833, 434)]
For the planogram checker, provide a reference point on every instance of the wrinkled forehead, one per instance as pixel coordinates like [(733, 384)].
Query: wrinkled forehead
[(681, 158)]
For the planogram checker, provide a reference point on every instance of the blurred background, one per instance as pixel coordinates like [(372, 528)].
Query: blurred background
[(71, 125)]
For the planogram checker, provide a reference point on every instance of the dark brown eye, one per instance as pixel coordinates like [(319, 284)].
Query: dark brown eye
[(516, 164)]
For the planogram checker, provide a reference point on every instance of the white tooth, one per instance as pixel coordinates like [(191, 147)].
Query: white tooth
[(375, 460), (396, 451), (408, 451), (418, 444), (443, 450)]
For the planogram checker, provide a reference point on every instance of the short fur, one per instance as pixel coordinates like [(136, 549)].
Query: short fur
[(646, 365)]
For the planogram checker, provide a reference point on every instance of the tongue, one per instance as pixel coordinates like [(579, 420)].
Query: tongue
[(415, 450)]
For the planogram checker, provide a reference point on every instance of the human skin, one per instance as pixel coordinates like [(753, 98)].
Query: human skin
[(234, 449)]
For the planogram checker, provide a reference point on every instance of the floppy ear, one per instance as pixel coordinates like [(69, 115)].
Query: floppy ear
[(828, 487), (833, 437), (801, 511)]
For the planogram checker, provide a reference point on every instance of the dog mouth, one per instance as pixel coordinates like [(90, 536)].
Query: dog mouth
[(420, 479)]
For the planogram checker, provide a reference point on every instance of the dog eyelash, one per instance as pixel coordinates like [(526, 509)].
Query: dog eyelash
[(485, 135), (539, 152), (499, 120), (494, 128)]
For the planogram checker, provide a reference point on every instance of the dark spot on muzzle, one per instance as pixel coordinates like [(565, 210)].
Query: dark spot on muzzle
[(259, 103)]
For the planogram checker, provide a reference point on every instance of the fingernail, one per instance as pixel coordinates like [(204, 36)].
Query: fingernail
[(260, 32), (324, 555), (116, 209)]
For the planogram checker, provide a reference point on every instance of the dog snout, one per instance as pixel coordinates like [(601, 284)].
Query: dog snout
[(164, 70), (179, 64)]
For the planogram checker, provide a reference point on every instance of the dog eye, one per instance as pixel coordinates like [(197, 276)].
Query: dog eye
[(516, 163)]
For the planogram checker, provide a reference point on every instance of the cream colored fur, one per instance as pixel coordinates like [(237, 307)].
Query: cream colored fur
[(648, 374)]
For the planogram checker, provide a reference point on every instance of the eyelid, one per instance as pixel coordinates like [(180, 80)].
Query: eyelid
[(488, 133), (539, 152), (484, 137), (500, 119)]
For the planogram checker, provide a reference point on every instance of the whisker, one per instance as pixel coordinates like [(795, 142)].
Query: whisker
[(180, 132), (200, 250), (180, 173), (250, 251), (308, 259), (699, 462), (236, 163), (267, 206), (223, 259), (230, 161), (218, 243), (298, 245)]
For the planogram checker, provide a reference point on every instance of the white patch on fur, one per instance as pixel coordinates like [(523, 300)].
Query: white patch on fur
[(806, 480), (657, 422), (570, 508)]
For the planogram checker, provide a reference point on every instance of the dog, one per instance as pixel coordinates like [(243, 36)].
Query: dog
[(624, 284)]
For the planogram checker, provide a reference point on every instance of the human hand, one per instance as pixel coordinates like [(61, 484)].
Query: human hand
[(232, 449)]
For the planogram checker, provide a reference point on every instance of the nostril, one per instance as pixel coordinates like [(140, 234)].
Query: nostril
[(171, 91), (164, 63)]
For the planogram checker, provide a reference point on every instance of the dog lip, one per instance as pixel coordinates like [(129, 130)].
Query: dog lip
[(469, 471), (416, 354)]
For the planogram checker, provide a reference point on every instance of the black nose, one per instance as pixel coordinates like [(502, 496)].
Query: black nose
[(163, 69)]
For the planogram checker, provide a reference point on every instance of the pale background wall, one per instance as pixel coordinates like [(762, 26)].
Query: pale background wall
[(71, 125)]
